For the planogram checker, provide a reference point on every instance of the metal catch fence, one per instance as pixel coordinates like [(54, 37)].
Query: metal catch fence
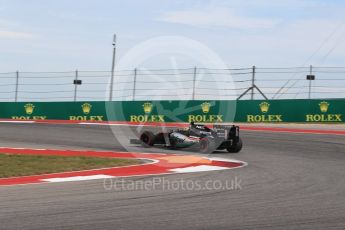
[(175, 84)]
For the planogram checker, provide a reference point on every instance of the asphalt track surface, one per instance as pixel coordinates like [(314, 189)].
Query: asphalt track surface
[(292, 181)]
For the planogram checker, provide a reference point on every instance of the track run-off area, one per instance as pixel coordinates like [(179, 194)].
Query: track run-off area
[(295, 179), (157, 164)]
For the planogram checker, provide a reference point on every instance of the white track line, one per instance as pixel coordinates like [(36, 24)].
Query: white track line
[(199, 168), (17, 121), (224, 159), (117, 124), (77, 178)]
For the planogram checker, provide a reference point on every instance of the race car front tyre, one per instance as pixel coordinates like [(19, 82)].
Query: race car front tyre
[(235, 148), (207, 145), (147, 139)]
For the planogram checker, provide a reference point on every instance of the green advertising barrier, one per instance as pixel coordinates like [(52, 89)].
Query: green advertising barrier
[(180, 111), (172, 111), (291, 111), (85, 111)]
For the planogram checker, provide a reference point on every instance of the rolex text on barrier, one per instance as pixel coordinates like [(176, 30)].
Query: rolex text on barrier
[(199, 111)]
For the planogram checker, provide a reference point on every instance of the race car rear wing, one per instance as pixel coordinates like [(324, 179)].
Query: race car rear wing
[(217, 126), (227, 131)]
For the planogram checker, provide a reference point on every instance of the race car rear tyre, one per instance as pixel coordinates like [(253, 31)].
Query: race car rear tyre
[(235, 148), (207, 145), (147, 139)]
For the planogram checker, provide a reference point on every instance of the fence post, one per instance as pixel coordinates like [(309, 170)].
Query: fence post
[(134, 83), (311, 73), (17, 84), (112, 69), (194, 80), (253, 83), (75, 86)]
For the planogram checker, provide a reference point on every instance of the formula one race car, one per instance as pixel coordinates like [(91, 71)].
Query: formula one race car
[(196, 136)]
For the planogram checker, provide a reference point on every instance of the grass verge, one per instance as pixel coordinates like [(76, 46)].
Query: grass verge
[(14, 165)]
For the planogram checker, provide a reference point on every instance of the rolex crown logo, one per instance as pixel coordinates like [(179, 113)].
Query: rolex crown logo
[(148, 107), (29, 108), (86, 108), (324, 106), (264, 106), (205, 107)]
